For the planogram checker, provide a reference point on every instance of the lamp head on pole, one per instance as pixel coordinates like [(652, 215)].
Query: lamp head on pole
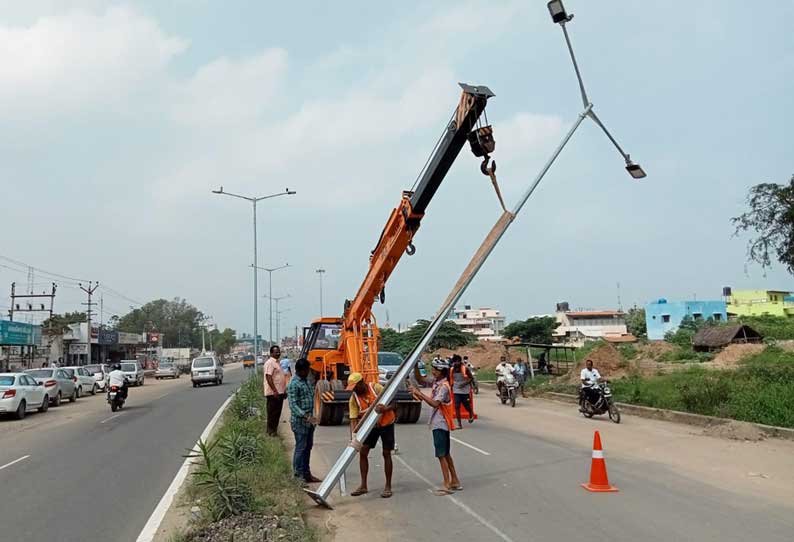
[(558, 13), (635, 170), (219, 191), (286, 191)]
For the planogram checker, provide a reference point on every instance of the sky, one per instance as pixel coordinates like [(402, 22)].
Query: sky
[(119, 118)]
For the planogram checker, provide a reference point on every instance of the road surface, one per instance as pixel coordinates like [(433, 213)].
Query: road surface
[(522, 468), (92, 475)]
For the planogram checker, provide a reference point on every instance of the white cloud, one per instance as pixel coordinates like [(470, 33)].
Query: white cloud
[(231, 91), (69, 62), (525, 134)]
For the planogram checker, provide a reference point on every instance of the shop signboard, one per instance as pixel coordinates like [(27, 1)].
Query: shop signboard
[(19, 333)]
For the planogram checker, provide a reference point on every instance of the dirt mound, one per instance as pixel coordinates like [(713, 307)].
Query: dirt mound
[(735, 430), (483, 354), (734, 353), (654, 350), (606, 359)]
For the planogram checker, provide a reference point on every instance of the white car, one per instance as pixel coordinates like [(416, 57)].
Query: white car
[(21, 393), (206, 369), (100, 372), (58, 384), (83, 380), (133, 372)]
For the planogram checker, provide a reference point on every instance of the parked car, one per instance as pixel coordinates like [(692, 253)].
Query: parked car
[(133, 372), (205, 369), (100, 372), (58, 384), (20, 393), (388, 363), (83, 379), (166, 369)]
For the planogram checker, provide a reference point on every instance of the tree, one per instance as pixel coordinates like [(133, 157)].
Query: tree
[(771, 219), (449, 336), (635, 322), (392, 341), (222, 341), (178, 320), (59, 323), (532, 330)]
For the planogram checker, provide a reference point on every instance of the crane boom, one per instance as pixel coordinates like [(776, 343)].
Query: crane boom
[(405, 219)]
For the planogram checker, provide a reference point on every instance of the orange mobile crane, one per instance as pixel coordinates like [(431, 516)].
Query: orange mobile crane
[(335, 347)]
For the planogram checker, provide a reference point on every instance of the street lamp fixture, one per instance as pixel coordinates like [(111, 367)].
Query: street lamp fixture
[(635, 170), (558, 13)]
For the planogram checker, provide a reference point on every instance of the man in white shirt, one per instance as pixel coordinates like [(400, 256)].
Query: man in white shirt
[(589, 377), (502, 370), (116, 377), (275, 390)]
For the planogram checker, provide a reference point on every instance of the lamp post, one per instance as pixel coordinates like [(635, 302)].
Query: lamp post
[(278, 322), (561, 17), (254, 201), (321, 272), (276, 299), (270, 292)]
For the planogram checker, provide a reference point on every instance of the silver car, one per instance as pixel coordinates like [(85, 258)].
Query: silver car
[(100, 372), (132, 371), (206, 369), (83, 380), (58, 384), (20, 394), (166, 369)]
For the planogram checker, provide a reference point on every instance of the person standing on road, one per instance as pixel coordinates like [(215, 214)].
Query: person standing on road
[(442, 422), (275, 390), (461, 388), (364, 396), (301, 404)]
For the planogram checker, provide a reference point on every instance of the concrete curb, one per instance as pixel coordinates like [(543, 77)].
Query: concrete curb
[(679, 417)]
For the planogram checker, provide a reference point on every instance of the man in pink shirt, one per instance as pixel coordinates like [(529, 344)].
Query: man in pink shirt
[(275, 390)]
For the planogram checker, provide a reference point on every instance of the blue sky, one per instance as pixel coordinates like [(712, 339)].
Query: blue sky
[(120, 117)]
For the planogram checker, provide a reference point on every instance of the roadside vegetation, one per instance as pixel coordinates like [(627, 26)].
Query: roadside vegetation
[(242, 481)]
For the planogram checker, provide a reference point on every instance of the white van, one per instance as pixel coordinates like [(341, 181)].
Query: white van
[(206, 369)]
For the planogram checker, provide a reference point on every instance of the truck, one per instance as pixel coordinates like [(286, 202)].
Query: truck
[(181, 357), (337, 346)]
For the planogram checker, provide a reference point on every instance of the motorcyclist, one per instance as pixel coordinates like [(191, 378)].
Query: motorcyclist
[(502, 370), (116, 377), (589, 390)]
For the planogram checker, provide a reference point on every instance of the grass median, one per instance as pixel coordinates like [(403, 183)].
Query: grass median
[(243, 483)]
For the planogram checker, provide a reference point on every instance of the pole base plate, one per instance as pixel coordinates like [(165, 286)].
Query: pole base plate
[(316, 497)]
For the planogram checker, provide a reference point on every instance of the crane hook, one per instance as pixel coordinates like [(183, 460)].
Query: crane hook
[(410, 249), (488, 172)]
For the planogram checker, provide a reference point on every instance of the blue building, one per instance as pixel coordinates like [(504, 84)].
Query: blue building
[(662, 316)]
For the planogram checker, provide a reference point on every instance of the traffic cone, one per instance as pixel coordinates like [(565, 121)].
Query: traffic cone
[(599, 482)]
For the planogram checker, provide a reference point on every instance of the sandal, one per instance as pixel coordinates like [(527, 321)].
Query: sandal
[(456, 488), (440, 492), (386, 493), (358, 492)]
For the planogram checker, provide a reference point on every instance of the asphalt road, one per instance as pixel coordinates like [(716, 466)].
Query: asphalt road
[(92, 475), (522, 470)]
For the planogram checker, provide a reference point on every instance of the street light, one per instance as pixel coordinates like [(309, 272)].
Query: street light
[(254, 201), (278, 323), (561, 17), (270, 295), (276, 299), (321, 272)]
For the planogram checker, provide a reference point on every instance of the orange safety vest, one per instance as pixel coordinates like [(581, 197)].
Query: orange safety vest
[(387, 418), (464, 371), (448, 409)]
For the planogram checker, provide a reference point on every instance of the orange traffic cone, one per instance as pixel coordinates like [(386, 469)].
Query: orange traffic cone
[(598, 470)]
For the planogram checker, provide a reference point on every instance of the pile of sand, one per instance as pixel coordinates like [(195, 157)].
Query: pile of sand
[(483, 354), (654, 350), (606, 359), (735, 430), (734, 353)]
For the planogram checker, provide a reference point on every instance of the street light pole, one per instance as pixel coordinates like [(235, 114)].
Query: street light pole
[(276, 299), (321, 272), (278, 321), (254, 201), (270, 294)]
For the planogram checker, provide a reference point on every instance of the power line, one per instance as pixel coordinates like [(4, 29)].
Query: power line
[(43, 271)]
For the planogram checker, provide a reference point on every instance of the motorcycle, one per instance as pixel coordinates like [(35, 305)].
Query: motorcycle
[(474, 386), (604, 404), (115, 398), (508, 390)]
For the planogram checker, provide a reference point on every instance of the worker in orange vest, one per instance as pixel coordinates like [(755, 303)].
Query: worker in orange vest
[(362, 399), (460, 379)]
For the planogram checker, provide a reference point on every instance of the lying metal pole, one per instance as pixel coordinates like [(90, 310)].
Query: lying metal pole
[(321, 495)]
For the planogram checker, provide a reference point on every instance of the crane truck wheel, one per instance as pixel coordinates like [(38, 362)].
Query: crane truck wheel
[(321, 409)]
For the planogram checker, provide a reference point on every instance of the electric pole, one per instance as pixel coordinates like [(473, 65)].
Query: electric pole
[(30, 308), (90, 291)]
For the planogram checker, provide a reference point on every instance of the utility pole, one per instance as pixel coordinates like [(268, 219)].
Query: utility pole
[(321, 272), (90, 291), (30, 308)]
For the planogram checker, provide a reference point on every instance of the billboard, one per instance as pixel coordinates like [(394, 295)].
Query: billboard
[(19, 334)]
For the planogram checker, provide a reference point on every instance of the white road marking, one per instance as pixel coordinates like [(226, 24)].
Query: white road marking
[(150, 529), (14, 462), (457, 503), (111, 418), (467, 445)]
